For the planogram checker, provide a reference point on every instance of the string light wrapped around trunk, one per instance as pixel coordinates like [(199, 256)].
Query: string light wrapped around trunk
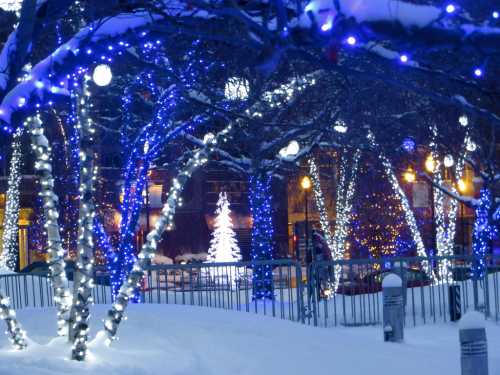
[(16, 334), (409, 215), (43, 166), (83, 279), (164, 222)]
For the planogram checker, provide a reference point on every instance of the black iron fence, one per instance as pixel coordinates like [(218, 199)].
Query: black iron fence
[(325, 294)]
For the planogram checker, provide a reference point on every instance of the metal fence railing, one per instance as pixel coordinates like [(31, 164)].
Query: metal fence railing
[(349, 292), (346, 292)]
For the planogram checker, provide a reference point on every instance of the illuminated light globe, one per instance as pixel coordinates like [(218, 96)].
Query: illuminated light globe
[(430, 164), (463, 120), (448, 161), (237, 89), (102, 75), (11, 5), (292, 149), (340, 127), (408, 145), (409, 175), (450, 8), (462, 186)]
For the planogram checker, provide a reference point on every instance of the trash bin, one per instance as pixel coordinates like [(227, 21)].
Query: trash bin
[(473, 344), (393, 310)]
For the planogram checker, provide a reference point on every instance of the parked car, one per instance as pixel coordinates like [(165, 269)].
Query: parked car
[(372, 282)]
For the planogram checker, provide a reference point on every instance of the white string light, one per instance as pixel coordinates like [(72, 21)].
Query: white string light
[(164, 222), (345, 194), (16, 334), (10, 237), (409, 215), (445, 219), (82, 298), (43, 165)]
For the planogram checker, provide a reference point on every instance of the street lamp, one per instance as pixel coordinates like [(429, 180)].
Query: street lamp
[(409, 176), (306, 184), (462, 188), (430, 164)]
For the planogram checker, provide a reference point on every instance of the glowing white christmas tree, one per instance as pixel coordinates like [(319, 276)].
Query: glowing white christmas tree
[(223, 246)]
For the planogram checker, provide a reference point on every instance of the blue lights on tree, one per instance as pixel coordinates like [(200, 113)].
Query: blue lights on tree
[(484, 233), (262, 235)]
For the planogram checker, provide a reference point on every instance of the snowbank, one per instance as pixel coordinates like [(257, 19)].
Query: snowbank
[(168, 340)]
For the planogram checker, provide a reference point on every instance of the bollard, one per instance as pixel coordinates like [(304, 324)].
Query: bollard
[(454, 302), (473, 344), (392, 293)]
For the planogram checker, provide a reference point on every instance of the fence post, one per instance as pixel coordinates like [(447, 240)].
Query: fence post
[(473, 344), (300, 293), (393, 310)]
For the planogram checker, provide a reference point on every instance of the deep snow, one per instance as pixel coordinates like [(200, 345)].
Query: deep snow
[(168, 339)]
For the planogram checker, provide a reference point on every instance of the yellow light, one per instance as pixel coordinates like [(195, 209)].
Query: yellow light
[(462, 186), (305, 183), (409, 175), (430, 164)]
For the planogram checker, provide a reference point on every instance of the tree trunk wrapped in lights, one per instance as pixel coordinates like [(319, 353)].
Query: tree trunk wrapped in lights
[(345, 193), (83, 279), (484, 233), (446, 219), (344, 204), (16, 335), (10, 238), (43, 165), (319, 199), (409, 216), (165, 221), (262, 234)]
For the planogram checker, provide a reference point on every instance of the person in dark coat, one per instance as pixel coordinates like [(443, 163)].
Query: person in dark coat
[(322, 253)]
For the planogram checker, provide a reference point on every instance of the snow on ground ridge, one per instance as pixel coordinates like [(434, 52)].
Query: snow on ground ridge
[(182, 340)]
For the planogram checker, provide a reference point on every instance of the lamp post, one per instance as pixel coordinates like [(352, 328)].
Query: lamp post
[(146, 190), (462, 188), (306, 184), (430, 166)]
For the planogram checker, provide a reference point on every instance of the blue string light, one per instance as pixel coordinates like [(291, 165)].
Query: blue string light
[(484, 233), (262, 235)]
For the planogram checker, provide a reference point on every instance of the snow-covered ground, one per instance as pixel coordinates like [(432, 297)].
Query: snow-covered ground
[(187, 340)]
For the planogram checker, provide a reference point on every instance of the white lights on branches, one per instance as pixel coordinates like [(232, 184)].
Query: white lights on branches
[(11, 5), (237, 88), (102, 75), (448, 161), (470, 145), (409, 215), (164, 222), (463, 120), (209, 137)]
